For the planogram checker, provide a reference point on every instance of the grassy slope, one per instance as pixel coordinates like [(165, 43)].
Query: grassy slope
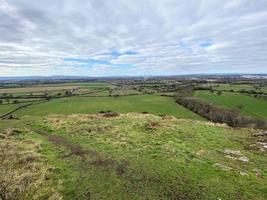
[(149, 103), (251, 106), (137, 156)]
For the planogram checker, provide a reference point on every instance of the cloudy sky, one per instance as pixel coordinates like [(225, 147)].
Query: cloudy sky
[(132, 37)]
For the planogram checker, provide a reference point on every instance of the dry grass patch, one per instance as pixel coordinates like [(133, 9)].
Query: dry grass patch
[(23, 172)]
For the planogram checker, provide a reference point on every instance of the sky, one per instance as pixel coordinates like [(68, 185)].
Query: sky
[(132, 37)]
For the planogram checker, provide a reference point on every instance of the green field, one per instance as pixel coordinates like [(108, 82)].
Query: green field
[(132, 156), (95, 85), (139, 103), (53, 89), (250, 106), (6, 108), (237, 87)]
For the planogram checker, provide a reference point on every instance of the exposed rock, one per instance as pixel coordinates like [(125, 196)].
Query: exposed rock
[(243, 173), (258, 146), (257, 172), (232, 152), (235, 155), (260, 133), (244, 159), (230, 157), (254, 147), (262, 145), (223, 167)]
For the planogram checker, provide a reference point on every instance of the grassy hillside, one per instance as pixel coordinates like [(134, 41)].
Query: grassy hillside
[(140, 103), (250, 106), (137, 156)]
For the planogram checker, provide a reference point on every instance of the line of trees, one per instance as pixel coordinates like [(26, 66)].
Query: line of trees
[(218, 114)]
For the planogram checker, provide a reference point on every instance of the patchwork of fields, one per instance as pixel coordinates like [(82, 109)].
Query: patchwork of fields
[(149, 147), (139, 103)]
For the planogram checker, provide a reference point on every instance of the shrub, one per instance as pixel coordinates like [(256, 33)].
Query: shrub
[(219, 93)]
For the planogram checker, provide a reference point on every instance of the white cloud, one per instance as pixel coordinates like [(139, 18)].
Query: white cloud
[(167, 36)]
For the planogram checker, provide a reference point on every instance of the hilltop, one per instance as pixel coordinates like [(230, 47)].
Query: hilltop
[(133, 156)]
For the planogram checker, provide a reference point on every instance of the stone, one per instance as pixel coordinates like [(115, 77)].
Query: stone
[(262, 144), (232, 152), (230, 157), (261, 133), (243, 173), (257, 172), (244, 159), (223, 167)]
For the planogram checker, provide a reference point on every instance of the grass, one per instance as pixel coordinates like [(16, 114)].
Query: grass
[(52, 88), (237, 87), (95, 85), (36, 89), (137, 156), (250, 106), (140, 103), (7, 107)]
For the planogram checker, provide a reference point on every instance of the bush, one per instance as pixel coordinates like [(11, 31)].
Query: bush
[(219, 93)]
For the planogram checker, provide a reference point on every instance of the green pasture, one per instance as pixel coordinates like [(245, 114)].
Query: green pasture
[(139, 103), (249, 105)]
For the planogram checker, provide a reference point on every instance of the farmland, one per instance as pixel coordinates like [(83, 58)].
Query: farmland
[(36, 89), (6, 108), (248, 105), (140, 103), (237, 87), (93, 98), (128, 140)]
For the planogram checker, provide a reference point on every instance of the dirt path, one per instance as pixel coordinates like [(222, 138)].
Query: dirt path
[(96, 158), (61, 141)]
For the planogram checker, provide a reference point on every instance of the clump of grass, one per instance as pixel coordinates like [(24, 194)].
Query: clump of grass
[(23, 172)]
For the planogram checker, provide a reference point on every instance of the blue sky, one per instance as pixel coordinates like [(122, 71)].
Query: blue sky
[(132, 37)]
